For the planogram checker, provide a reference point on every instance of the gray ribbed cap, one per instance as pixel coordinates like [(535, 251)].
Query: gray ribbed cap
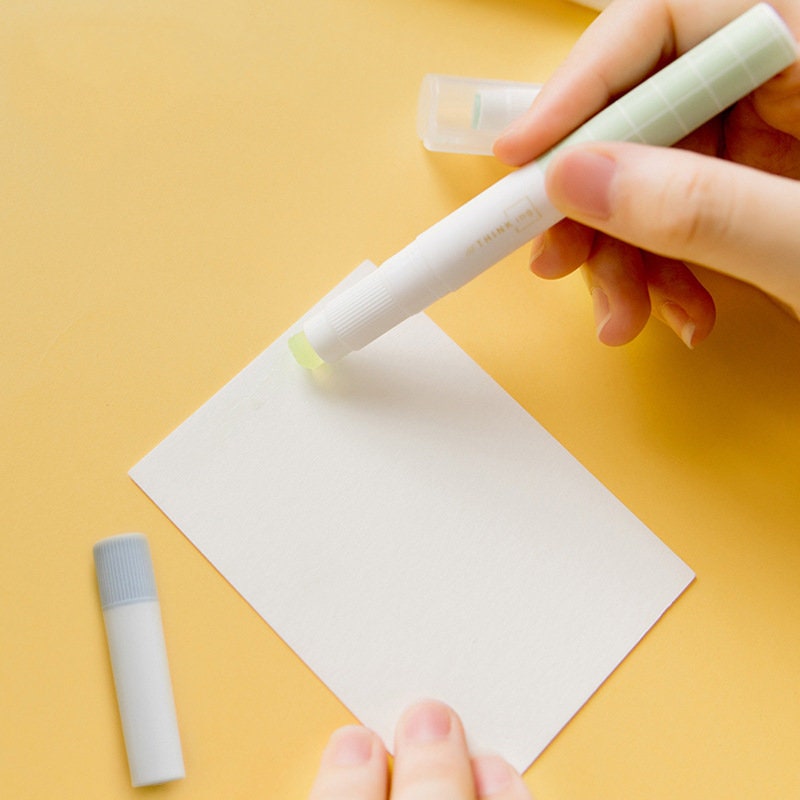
[(124, 570)]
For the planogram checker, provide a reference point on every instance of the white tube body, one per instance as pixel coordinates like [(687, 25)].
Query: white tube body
[(144, 692), (135, 635), (455, 250), (661, 111)]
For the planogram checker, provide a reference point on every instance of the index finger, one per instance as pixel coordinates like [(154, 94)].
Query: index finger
[(628, 42)]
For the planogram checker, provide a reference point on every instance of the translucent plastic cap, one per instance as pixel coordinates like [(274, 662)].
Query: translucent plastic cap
[(466, 115)]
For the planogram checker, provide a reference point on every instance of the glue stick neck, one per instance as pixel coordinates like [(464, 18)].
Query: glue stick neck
[(448, 255)]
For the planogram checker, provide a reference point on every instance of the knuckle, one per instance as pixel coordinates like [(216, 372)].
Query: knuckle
[(696, 210)]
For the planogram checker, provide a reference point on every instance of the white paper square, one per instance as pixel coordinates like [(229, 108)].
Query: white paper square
[(411, 531)]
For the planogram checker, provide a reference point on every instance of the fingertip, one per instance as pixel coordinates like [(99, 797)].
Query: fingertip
[(354, 764), (561, 249), (680, 300), (427, 721), (492, 775), (617, 325), (619, 328), (496, 779), (351, 746), (511, 147), (617, 282), (547, 261), (431, 757), (530, 135)]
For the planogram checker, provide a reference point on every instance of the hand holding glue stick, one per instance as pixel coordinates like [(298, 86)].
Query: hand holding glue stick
[(737, 213), (719, 71)]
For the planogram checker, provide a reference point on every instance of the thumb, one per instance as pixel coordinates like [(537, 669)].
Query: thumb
[(686, 206)]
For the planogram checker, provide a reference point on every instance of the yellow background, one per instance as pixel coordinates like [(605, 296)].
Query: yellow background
[(179, 181)]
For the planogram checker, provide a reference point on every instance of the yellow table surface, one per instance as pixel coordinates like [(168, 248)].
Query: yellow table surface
[(178, 183)]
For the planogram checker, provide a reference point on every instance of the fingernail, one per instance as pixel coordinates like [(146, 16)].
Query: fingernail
[(427, 722), (602, 309), (680, 322), (351, 746), (492, 775), (581, 179)]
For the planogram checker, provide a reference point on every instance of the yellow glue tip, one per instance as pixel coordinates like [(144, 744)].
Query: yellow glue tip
[(305, 355)]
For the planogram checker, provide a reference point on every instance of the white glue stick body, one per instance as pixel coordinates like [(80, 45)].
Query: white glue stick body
[(660, 111), (443, 258), (132, 617)]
